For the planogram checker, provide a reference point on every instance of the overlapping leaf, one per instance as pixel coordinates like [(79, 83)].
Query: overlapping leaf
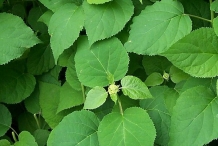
[(26, 139), (102, 63), (78, 128), (14, 39), (54, 4), (194, 118), (106, 20), (5, 120), (97, 1), (196, 54), (158, 27), (64, 28)]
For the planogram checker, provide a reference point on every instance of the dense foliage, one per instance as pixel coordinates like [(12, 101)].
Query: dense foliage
[(108, 72)]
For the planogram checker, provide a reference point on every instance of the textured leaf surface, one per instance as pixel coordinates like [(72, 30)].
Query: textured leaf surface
[(69, 97), (95, 98), (134, 88), (102, 63), (26, 139), (14, 39), (54, 4), (5, 120), (158, 27), (194, 118), (78, 129), (133, 128), (63, 28), (15, 86), (106, 20), (196, 54), (97, 1)]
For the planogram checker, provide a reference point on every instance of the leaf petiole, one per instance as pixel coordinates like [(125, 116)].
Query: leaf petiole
[(120, 106), (198, 17)]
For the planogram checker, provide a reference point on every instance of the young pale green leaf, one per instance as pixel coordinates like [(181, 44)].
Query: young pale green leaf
[(15, 39), (158, 27), (95, 98), (154, 79), (4, 142), (69, 97), (101, 64), (63, 28), (5, 120), (49, 100), (159, 109), (15, 86), (45, 17), (134, 127), (26, 139), (78, 129), (106, 20), (97, 1), (214, 6), (41, 136), (40, 59), (177, 75), (196, 53), (54, 5), (194, 118), (135, 88)]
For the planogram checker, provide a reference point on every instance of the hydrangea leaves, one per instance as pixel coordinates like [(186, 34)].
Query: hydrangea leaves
[(158, 27)]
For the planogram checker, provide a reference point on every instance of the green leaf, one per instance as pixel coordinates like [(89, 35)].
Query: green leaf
[(154, 79), (40, 59), (69, 97), (159, 109), (177, 75), (158, 27), (63, 28), (15, 86), (194, 119), (196, 53), (97, 1), (45, 17), (106, 20), (49, 101), (54, 5), (5, 120), (215, 25), (95, 98), (25, 139), (41, 136), (79, 128), (4, 142), (214, 6), (119, 130), (19, 10), (15, 39), (64, 58), (135, 88), (105, 62), (217, 87)]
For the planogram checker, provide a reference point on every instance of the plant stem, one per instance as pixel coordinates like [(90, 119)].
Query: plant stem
[(194, 16), (83, 92), (37, 121), (14, 136), (211, 14), (120, 105)]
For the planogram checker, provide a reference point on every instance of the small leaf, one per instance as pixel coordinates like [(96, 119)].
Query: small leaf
[(65, 56), (134, 127), (45, 17), (158, 27), (105, 61), (196, 53), (79, 128), (194, 119), (4, 142), (5, 120), (214, 6), (63, 28), (95, 98), (69, 97), (15, 39), (25, 139), (101, 21), (154, 79), (135, 88), (177, 75), (215, 25), (97, 1)]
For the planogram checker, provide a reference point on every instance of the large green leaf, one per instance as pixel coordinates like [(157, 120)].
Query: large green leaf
[(95, 98), (77, 129), (196, 53), (4, 142), (15, 86), (26, 139), (194, 118), (97, 1), (135, 88), (106, 20), (15, 39), (63, 28), (134, 127), (158, 27), (102, 63), (5, 120), (54, 5)]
